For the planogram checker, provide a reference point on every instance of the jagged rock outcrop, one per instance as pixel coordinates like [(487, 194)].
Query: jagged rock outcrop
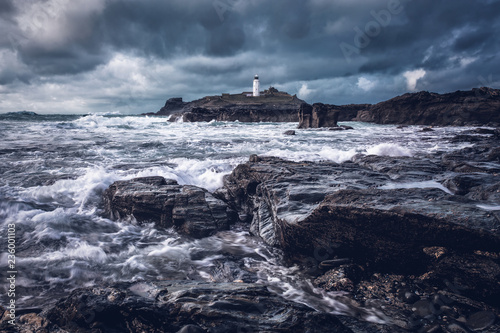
[(172, 106), (262, 113), (305, 115), (420, 237), (479, 106), (348, 112), (300, 206), (316, 116), (191, 210)]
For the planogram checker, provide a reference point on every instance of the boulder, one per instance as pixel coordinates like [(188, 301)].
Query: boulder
[(317, 116), (190, 210)]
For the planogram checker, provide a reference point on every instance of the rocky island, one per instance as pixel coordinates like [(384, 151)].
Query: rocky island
[(271, 106)]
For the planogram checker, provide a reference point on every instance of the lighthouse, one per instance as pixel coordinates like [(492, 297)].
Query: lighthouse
[(256, 86)]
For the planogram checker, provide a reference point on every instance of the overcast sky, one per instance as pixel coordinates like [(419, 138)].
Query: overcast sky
[(129, 56)]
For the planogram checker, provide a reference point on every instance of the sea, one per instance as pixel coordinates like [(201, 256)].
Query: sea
[(55, 168)]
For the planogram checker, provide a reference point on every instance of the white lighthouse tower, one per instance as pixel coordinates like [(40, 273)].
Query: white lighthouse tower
[(256, 86)]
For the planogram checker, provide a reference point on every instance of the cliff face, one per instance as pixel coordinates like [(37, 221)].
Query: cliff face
[(316, 116), (348, 112), (243, 113), (172, 106), (271, 106), (475, 107)]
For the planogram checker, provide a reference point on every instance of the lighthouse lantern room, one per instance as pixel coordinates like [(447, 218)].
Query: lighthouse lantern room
[(256, 86)]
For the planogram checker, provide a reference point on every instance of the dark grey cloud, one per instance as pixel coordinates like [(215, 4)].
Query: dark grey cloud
[(320, 47), (7, 7)]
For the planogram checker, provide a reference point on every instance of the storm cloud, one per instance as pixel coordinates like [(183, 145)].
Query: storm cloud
[(80, 56)]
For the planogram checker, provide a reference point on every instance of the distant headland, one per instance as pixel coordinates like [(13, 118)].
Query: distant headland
[(478, 106)]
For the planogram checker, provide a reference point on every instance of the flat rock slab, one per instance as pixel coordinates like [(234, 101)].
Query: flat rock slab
[(383, 213), (390, 228), (189, 306), (190, 210)]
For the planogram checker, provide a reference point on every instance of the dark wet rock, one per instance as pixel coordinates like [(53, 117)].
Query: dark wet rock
[(427, 129), (409, 297), (481, 130), (334, 262), (477, 106), (475, 170), (438, 241), (462, 184), (494, 154), (414, 305), (342, 278), (191, 329), (379, 227), (468, 274), (423, 308), (290, 132), (279, 197), (254, 158), (191, 210), (316, 116), (465, 138), (305, 115), (187, 307), (481, 320), (402, 168), (172, 106), (348, 112), (481, 157), (271, 189)]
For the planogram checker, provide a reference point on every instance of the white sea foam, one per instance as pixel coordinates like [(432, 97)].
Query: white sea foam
[(83, 250), (389, 149), (322, 154), (423, 184), (99, 121), (489, 207)]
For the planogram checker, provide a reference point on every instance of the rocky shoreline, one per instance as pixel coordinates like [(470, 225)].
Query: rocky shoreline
[(476, 107), (415, 238)]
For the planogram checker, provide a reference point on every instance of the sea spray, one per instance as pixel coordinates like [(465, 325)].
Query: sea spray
[(54, 170)]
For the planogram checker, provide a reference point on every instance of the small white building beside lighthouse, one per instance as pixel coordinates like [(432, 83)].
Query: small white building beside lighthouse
[(256, 86)]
